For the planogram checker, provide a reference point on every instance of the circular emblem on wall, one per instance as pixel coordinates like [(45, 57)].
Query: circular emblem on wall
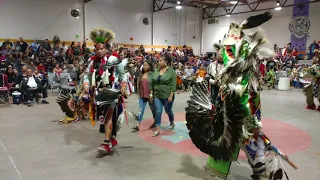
[(299, 27)]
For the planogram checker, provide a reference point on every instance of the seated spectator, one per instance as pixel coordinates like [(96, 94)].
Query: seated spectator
[(201, 72), (32, 82), (57, 70), (10, 76), (72, 71), (3, 66), (7, 50), (187, 78), (11, 60), (6, 44), (41, 67)]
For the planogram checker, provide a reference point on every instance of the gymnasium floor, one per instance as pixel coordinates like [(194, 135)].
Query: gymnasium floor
[(35, 147)]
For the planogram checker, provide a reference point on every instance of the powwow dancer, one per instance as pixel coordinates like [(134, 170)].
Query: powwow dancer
[(235, 120), (108, 81), (312, 90)]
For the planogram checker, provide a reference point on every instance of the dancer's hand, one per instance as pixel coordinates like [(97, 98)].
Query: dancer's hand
[(170, 99)]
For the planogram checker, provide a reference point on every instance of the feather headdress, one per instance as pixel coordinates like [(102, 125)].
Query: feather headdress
[(103, 36)]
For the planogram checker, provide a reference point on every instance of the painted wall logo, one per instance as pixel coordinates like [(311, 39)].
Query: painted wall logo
[(299, 27)]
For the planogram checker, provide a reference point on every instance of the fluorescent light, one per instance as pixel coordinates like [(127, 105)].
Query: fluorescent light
[(178, 7), (228, 15), (233, 2), (278, 8)]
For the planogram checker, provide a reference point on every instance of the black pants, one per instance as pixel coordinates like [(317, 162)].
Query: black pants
[(29, 92)]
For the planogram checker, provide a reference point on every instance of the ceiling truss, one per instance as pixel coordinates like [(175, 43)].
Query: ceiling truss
[(209, 10)]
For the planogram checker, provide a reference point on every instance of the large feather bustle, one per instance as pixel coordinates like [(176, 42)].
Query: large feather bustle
[(63, 100), (215, 133), (255, 21), (103, 36)]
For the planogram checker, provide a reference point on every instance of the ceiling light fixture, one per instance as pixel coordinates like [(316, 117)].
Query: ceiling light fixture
[(178, 2), (228, 15), (278, 8), (178, 7), (233, 2)]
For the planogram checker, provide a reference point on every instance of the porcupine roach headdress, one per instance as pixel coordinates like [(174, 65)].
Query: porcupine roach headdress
[(103, 36), (217, 132)]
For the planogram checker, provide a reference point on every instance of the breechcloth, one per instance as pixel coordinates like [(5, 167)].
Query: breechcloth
[(117, 110)]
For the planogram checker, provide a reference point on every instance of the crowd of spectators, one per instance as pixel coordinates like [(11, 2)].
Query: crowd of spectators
[(22, 62)]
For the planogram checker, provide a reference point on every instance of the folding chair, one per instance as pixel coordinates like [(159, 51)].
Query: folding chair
[(52, 83), (4, 92), (65, 86)]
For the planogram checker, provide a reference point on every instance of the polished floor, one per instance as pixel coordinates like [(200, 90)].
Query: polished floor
[(35, 147)]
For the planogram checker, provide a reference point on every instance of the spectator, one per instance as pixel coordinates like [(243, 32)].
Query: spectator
[(47, 45), (3, 66), (164, 82), (6, 43), (32, 82), (201, 72), (35, 46), (313, 47), (41, 67), (187, 76), (23, 46), (12, 61), (7, 51), (143, 92)]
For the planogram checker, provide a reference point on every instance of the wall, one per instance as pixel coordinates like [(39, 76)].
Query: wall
[(276, 29), (178, 27), (45, 18)]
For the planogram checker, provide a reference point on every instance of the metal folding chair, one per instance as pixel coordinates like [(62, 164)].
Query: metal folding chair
[(4, 92), (52, 83)]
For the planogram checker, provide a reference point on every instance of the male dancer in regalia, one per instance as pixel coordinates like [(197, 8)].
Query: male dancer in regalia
[(107, 83)]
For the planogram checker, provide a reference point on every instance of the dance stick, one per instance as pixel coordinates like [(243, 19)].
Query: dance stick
[(286, 158)]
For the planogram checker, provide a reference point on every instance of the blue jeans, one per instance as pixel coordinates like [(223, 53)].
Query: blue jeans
[(142, 107), (159, 104)]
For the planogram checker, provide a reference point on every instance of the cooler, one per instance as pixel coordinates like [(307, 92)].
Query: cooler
[(16, 97)]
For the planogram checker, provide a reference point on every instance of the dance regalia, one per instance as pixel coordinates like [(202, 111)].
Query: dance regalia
[(233, 122), (107, 77), (312, 90), (74, 103)]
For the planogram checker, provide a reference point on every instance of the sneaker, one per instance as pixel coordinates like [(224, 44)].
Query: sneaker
[(135, 129), (313, 107), (29, 103), (105, 148), (156, 133), (44, 101), (114, 142), (171, 127)]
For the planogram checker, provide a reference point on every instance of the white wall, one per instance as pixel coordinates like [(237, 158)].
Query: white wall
[(178, 27), (276, 29), (39, 19), (43, 19)]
